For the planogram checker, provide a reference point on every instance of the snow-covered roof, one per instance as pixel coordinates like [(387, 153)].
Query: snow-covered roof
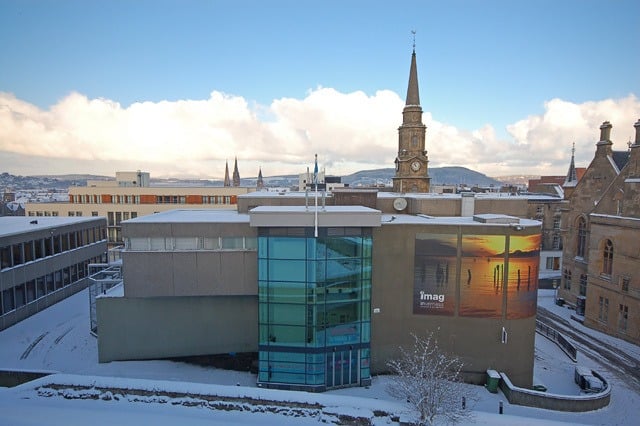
[(192, 216), (13, 225), (421, 219)]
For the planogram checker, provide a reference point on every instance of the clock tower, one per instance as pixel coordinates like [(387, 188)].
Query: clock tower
[(412, 161)]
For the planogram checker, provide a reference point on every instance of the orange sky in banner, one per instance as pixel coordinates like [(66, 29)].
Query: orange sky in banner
[(525, 243), (482, 245)]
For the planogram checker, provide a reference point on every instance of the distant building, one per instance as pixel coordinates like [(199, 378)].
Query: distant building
[(601, 223), (130, 195), (44, 260)]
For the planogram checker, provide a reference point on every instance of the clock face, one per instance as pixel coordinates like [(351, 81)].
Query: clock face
[(415, 166)]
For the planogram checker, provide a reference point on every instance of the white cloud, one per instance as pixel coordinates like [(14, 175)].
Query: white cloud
[(349, 131)]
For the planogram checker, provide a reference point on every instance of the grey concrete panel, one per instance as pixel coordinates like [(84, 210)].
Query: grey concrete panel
[(141, 328)]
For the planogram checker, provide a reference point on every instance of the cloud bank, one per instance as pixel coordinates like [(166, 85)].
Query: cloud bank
[(348, 131)]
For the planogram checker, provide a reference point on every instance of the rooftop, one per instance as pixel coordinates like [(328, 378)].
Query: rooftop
[(13, 225)]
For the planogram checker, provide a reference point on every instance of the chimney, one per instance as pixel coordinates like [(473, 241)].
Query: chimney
[(603, 147), (605, 132), (634, 155)]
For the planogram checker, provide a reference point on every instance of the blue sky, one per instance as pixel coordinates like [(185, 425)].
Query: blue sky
[(480, 63)]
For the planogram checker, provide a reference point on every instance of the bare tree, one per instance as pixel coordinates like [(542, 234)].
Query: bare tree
[(431, 382)]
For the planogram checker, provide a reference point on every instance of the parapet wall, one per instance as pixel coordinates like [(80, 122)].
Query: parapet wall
[(549, 401)]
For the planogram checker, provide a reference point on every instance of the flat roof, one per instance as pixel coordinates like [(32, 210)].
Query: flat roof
[(192, 216), (412, 195), (13, 225), (328, 216), (421, 219), (312, 209)]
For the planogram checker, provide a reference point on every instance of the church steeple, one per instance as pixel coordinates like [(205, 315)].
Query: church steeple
[(236, 174), (413, 92), (412, 162), (260, 183), (227, 181), (572, 177)]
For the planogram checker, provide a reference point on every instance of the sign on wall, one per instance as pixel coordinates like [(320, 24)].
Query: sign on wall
[(434, 284)]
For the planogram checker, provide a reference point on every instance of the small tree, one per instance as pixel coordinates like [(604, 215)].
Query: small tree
[(431, 381)]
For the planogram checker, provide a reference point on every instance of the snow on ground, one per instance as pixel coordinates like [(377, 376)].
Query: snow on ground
[(58, 339)]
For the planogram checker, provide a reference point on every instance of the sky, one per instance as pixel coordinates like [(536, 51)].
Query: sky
[(178, 88)]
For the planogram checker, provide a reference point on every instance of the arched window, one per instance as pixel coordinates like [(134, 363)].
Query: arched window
[(607, 257), (582, 237)]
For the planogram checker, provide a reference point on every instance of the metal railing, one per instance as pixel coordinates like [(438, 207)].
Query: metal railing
[(555, 336)]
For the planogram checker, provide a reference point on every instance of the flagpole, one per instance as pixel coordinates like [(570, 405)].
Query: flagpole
[(315, 180)]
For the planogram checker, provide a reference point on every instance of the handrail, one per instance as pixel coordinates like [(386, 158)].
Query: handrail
[(555, 336)]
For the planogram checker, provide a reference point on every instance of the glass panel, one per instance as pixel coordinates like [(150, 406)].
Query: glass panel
[(211, 243), (287, 270), (250, 243), (157, 243), (287, 334), (287, 292), (138, 243), (186, 243), (233, 243), (287, 248), (287, 314)]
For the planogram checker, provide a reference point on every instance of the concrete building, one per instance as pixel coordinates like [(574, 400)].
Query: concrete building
[(129, 196), (326, 291), (329, 310), (44, 260), (601, 223)]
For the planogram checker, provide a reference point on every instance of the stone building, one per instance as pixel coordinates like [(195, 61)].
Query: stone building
[(601, 223)]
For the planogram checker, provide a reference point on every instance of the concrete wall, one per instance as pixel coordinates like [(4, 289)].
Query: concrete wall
[(530, 398), (189, 273), (477, 341), (165, 327)]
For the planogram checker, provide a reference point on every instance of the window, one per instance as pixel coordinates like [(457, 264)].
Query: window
[(582, 237), (553, 263), (624, 284), (556, 223), (623, 316), (556, 242), (607, 258), (5, 257), (17, 254), (211, 243), (603, 309), (28, 251), (583, 284), (567, 279)]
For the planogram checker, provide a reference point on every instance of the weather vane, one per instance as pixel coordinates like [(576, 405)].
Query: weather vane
[(414, 39)]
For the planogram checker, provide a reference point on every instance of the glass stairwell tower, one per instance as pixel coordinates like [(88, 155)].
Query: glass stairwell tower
[(314, 307)]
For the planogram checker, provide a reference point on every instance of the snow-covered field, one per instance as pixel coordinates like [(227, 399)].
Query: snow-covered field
[(169, 393)]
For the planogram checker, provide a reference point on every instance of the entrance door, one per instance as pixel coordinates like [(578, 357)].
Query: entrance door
[(343, 368)]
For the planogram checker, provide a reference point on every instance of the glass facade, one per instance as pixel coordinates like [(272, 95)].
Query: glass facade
[(315, 307)]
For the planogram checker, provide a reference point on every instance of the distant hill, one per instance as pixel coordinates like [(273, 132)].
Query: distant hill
[(377, 177), (439, 176)]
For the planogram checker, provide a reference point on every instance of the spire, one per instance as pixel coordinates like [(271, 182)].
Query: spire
[(413, 94), (227, 181), (260, 183), (236, 174), (572, 177)]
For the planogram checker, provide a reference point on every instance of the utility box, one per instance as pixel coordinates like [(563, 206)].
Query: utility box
[(493, 379)]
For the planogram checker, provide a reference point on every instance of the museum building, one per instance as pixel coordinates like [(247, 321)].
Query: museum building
[(325, 295)]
